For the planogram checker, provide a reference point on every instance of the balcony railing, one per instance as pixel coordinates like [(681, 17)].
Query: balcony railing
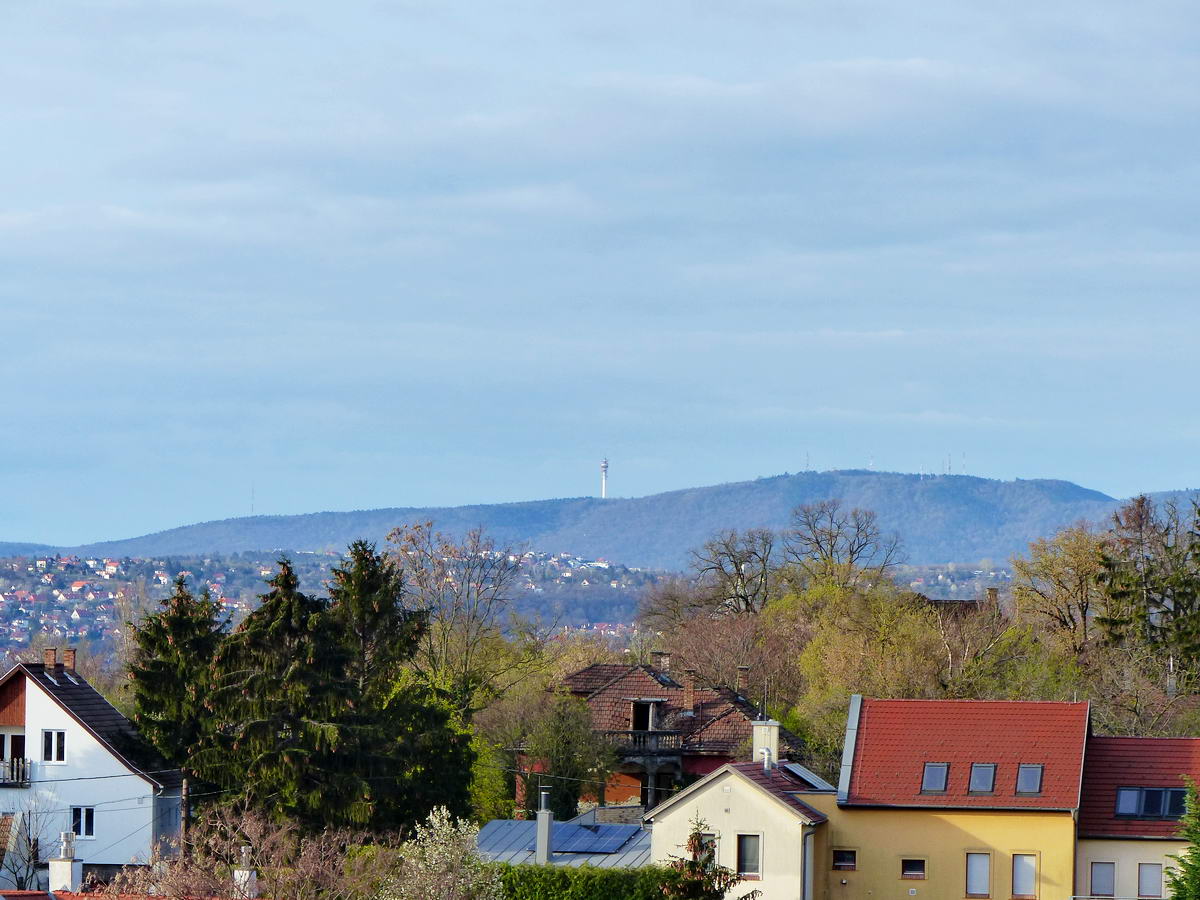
[(645, 742), (14, 773)]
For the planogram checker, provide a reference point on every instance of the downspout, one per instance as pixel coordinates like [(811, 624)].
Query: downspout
[(807, 834)]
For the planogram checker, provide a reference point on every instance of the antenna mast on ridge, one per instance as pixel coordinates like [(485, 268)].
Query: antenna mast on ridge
[(604, 478)]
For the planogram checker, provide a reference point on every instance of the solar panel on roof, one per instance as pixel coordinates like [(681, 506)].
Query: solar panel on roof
[(568, 838)]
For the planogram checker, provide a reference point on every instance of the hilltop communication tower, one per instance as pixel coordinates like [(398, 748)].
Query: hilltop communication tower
[(604, 478)]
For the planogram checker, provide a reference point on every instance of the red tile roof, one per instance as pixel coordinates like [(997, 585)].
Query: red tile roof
[(783, 784), (897, 737), (1114, 762), (718, 723)]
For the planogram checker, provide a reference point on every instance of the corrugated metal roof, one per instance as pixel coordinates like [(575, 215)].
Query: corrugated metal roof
[(509, 841)]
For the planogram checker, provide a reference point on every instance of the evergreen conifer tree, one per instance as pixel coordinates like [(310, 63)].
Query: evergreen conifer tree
[(169, 671), (1183, 879), (281, 704)]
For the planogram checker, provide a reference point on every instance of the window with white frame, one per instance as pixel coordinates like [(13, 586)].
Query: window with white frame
[(54, 746), (979, 874), (1024, 875), (1104, 879), (83, 821), (1149, 879), (749, 860)]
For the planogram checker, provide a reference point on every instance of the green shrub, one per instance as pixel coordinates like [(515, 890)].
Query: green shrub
[(583, 883)]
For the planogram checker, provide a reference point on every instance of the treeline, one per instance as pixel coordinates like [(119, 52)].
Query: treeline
[(413, 684), (1110, 614)]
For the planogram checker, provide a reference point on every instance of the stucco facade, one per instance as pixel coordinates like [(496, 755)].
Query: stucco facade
[(1126, 857), (883, 838)]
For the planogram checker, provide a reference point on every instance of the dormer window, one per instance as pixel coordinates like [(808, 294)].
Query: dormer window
[(642, 717), (933, 781), (983, 778), (1029, 778), (1151, 803)]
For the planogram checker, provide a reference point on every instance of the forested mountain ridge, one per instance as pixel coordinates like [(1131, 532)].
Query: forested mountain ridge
[(944, 518)]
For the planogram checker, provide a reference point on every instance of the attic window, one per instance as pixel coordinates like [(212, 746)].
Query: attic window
[(1151, 803), (983, 778), (1029, 778), (50, 678), (935, 777)]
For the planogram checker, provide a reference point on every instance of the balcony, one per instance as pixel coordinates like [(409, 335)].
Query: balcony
[(14, 773), (645, 743)]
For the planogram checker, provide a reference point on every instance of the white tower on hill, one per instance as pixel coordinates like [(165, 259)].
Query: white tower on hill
[(604, 478)]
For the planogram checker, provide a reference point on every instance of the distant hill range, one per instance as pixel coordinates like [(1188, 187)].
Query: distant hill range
[(947, 518)]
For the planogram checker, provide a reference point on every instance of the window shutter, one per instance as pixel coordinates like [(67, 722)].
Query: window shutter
[(1149, 880), (979, 874), (1104, 878), (1024, 875)]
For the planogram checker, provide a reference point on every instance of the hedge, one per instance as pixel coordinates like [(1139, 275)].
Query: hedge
[(583, 883)]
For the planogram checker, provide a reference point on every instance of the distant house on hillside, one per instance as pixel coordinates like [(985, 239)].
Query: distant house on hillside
[(667, 730)]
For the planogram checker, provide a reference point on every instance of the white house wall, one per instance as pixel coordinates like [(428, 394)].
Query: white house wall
[(1127, 855), (730, 806), (124, 804)]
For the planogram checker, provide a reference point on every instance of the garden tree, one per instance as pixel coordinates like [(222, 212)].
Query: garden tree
[(280, 701), (474, 647), (739, 571), (845, 547), (327, 864), (1183, 878), (1058, 585), (169, 671), (698, 876), (401, 737), (669, 603), (380, 634), (1151, 573), (565, 756)]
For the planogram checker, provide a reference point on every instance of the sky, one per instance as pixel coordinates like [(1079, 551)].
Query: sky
[(294, 256)]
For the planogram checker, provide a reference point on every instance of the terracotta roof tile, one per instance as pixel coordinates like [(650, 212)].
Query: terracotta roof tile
[(1114, 762), (897, 737)]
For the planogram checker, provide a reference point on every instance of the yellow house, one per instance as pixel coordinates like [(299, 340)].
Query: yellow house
[(1133, 796), (759, 818)]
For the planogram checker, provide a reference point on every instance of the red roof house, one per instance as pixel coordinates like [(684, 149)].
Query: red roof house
[(1133, 786), (983, 754)]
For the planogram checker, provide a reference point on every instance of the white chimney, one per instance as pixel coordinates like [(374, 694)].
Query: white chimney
[(545, 820), (66, 872), (765, 736), (245, 878)]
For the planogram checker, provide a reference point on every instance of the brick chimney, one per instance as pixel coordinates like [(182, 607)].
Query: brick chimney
[(69, 658), (662, 660), (50, 657), (743, 679), (689, 691)]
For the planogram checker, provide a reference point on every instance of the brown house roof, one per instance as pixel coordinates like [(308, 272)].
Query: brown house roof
[(1139, 762), (719, 722)]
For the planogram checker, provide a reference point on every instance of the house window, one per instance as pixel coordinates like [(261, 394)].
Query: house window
[(1029, 779), (748, 861), (642, 718), (912, 868), (1151, 803), (983, 778), (1104, 879), (933, 781), (1024, 875), (708, 844), (845, 860), (83, 821), (979, 874), (54, 746), (1149, 879)]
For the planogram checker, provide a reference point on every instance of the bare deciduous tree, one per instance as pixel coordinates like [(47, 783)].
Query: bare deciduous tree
[(739, 570), (845, 547), (474, 647)]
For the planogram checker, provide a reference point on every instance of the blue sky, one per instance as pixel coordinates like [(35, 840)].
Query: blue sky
[(410, 253)]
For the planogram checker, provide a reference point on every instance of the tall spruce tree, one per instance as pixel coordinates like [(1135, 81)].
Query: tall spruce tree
[(402, 739), (1183, 878), (169, 671), (282, 709)]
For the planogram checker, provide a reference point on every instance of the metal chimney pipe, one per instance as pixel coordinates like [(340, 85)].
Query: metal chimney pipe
[(545, 820)]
